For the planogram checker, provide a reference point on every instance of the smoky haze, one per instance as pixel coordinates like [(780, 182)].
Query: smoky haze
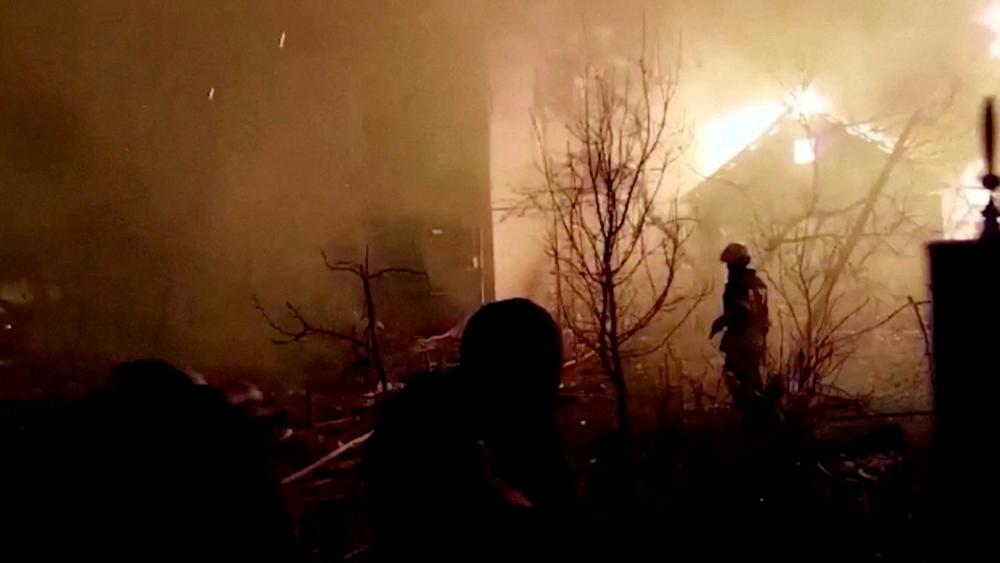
[(870, 60), (162, 163)]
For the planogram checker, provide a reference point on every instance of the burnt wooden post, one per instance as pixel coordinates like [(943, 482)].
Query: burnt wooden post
[(965, 280)]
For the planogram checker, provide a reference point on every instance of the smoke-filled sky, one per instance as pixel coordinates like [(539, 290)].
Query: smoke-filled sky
[(162, 161)]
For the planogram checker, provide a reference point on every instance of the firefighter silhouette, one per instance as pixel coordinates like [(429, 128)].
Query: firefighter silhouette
[(745, 321)]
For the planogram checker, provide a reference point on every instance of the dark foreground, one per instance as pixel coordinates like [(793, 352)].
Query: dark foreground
[(697, 486)]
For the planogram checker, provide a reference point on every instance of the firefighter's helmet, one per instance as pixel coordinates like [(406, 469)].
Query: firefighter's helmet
[(735, 254)]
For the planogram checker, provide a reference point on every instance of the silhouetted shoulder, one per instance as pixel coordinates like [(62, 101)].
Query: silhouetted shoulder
[(423, 468), (422, 428), (157, 459), (752, 280)]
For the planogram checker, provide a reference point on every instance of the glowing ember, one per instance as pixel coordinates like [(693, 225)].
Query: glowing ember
[(805, 151), (808, 102), (991, 21), (868, 132)]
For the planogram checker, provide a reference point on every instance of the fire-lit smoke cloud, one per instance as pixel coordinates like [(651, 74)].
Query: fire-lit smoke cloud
[(729, 133), (859, 62), (165, 161)]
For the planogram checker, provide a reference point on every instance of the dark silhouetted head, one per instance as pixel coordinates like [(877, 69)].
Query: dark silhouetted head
[(512, 352), (735, 255), (462, 435), (149, 378)]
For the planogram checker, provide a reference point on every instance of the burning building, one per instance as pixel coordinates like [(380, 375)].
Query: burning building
[(809, 169), (177, 160)]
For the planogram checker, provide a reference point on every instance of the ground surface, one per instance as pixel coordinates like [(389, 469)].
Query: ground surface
[(852, 485), (699, 486)]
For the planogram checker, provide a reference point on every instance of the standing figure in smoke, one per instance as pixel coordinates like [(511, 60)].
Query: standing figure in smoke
[(745, 321)]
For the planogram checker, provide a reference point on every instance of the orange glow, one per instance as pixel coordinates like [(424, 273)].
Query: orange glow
[(728, 134), (991, 21), (808, 102), (805, 151)]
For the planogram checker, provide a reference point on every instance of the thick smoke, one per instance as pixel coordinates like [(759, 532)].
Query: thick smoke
[(877, 61), (161, 164)]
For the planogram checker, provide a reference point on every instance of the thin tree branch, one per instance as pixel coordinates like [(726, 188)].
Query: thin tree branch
[(305, 328)]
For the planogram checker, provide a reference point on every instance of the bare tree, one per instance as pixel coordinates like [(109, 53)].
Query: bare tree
[(615, 237), (816, 263), (368, 341)]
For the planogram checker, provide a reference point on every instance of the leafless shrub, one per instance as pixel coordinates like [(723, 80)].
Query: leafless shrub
[(615, 238), (816, 265), (367, 341)]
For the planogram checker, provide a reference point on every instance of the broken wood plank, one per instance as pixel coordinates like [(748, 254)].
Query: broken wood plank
[(308, 470)]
